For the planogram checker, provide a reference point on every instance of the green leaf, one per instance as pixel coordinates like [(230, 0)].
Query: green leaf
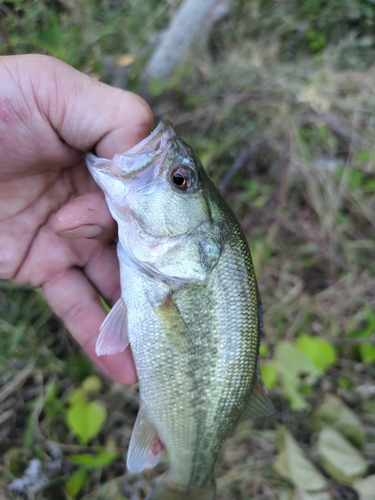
[(367, 353), (317, 41), (334, 412), (77, 395), (291, 364), (368, 315), (368, 407), (76, 482), (29, 432), (339, 458), (156, 87), (344, 383), (51, 392), (295, 362), (52, 404), (92, 384), (268, 372), (356, 179), (263, 350), (85, 419), (365, 156), (292, 464), (319, 351), (17, 334), (365, 487), (50, 38), (79, 367), (252, 188), (102, 459), (297, 402)]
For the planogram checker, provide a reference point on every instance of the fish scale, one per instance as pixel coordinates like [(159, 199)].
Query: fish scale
[(193, 313)]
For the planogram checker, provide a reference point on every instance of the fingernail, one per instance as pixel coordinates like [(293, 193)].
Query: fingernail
[(87, 231)]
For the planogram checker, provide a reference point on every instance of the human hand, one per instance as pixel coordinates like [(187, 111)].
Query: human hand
[(50, 116)]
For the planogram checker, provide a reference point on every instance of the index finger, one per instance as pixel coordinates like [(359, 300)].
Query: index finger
[(76, 302)]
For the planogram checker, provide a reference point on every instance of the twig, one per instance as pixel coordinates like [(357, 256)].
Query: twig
[(335, 123), (208, 110), (16, 382), (282, 187), (188, 22), (78, 448), (245, 154), (300, 233), (241, 159), (5, 415), (194, 115)]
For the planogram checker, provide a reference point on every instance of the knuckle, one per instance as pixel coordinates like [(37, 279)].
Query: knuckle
[(8, 264)]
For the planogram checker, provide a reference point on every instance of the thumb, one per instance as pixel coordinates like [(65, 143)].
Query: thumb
[(86, 113)]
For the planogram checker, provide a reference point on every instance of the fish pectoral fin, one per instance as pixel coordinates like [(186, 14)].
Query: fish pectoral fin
[(259, 403), (145, 447), (113, 336)]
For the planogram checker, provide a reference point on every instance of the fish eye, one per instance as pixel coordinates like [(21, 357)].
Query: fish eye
[(182, 178)]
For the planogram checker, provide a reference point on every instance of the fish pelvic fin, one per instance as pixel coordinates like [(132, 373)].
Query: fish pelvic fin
[(163, 490)]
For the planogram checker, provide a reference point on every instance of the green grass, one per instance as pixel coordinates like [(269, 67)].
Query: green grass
[(283, 99)]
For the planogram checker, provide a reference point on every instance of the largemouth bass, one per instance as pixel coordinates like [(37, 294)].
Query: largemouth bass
[(189, 308)]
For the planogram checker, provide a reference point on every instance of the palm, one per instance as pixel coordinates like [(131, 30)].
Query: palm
[(26, 218), (45, 189)]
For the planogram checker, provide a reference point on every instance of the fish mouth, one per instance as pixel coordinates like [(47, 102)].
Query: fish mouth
[(156, 141), (135, 160)]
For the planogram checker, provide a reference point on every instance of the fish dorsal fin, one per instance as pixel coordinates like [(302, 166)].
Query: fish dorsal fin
[(145, 447), (113, 336), (259, 403)]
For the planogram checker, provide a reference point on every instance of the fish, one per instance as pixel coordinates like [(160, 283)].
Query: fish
[(189, 308)]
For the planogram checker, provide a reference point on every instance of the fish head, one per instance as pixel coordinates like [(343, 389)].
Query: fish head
[(160, 196), (160, 182)]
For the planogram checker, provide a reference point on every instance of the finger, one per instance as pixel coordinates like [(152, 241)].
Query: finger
[(87, 113), (75, 301), (85, 217), (103, 271)]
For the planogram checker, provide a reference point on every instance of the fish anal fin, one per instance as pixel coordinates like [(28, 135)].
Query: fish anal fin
[(145, 447), (259, 403), (113, 336), (163, 490)]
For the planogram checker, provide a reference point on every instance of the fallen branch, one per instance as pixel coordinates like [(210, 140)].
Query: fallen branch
[(188, 23)]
